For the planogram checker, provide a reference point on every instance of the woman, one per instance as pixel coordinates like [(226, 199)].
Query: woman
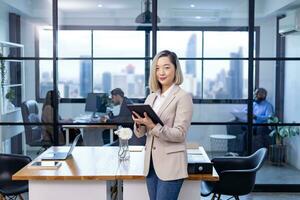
[(165, 157), (47, 117)]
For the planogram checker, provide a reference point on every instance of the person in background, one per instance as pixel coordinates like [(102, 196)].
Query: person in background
[(124, 116), (262, 109), (165, 165), (47, 117)]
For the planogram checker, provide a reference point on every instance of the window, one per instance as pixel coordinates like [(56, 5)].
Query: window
[(210, 79), (213, 61), (83, 66)]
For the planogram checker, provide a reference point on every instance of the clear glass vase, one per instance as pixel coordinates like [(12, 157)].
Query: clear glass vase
[(123, 150)]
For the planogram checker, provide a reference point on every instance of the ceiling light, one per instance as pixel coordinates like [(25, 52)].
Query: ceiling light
[(192, 6), (198, 17), (99, 5)]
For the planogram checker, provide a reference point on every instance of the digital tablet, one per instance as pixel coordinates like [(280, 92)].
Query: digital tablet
[(141, 108)]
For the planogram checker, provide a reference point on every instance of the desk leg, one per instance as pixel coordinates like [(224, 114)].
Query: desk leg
[(68, 189), (111, 138), (137, 189), (67, 136)]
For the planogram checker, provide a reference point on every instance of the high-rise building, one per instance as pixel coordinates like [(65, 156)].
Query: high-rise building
[(234, 82), (106, 82), (85, 77), (191, 53)]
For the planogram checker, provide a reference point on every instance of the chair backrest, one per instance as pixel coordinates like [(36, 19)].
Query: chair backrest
[(10, 164), (30, 113), (238, 174)]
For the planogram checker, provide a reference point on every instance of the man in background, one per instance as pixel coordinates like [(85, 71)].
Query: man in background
[(123, 118), (262, 109)]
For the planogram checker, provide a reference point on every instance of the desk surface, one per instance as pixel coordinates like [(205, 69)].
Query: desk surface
[(96, 163)]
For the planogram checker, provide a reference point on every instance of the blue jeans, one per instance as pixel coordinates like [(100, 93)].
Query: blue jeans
[(162, 190)]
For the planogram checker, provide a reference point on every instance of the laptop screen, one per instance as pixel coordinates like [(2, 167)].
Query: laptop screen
[(74, 144)]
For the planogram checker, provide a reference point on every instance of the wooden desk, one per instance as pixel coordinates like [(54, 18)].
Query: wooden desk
[(85, 176), (103, 125)]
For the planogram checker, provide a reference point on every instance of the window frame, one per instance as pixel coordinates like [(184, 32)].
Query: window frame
[(148, 58)]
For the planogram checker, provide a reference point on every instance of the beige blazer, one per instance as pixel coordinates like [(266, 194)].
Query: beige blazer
[(167, 143)]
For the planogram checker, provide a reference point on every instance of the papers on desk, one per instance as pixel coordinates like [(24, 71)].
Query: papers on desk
[(136, 148), (240, 115), (194, 152)]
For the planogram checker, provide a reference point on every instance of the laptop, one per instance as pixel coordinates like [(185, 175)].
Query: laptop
[(61, 155)]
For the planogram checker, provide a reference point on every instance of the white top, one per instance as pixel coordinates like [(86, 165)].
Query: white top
[(161, 98)]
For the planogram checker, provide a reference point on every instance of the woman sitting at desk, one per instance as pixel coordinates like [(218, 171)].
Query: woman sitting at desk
[(47, 117)]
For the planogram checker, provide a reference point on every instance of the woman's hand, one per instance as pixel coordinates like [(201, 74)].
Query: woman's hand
[(146, 120)]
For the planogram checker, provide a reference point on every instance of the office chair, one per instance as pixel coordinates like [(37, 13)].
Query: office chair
[(236, 175), (9, 165), (237, 145), (33, 133)]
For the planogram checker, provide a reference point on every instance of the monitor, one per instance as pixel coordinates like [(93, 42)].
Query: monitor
[(96, 102)]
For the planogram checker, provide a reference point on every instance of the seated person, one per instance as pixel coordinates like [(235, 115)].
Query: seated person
[(118, 98), (262, 109), (124, 118), (47, 117)]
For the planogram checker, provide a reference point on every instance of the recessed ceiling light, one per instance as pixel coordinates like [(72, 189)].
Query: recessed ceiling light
[(100, 5), (198, 17), (192, 6)]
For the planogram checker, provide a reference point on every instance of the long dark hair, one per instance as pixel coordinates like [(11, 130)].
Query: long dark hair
[(49, 99)]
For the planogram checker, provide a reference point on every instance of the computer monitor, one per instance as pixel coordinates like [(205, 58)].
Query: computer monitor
[(96, 102)]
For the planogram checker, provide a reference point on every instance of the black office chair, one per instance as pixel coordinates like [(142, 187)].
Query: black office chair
[(33, 133), (9, 165), (237, 145), (236, 175)]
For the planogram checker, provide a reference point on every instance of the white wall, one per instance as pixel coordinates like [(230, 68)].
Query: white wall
[(291, 96), (267, 69)]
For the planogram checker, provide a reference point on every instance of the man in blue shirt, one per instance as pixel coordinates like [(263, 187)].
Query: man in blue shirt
[(262, 109)]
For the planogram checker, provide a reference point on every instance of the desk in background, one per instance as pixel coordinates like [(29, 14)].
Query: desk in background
[(81, 127), (86, 173)]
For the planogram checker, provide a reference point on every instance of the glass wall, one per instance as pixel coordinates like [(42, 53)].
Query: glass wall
[(277, 74), (104, 45)]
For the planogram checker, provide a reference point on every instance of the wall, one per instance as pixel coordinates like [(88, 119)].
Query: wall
[(202, 112), (291, 96)]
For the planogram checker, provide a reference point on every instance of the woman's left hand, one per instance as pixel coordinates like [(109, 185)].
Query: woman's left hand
[(146, 120)]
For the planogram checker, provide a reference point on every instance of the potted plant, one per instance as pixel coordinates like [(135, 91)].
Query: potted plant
[(10, 96), (277, 151)]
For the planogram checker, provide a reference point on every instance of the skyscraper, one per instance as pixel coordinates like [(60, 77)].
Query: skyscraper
[(191, 53), (106, 82), (234, 81), (85, 77)]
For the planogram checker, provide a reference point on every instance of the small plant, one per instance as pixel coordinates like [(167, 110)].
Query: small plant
[(281, 132), (10, 95)]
